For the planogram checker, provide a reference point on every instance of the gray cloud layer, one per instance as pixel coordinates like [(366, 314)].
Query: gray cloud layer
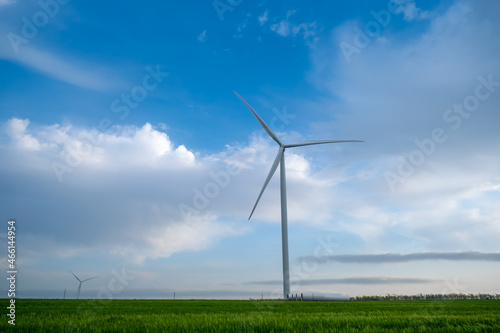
[(395, 257), (351, 280)]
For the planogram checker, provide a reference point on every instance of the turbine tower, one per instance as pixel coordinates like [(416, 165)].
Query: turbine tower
[(280, 160), (77, 295)]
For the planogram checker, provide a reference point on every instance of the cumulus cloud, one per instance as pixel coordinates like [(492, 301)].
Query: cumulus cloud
[(409, 9), (106, 196), (16, 129), (42, 58), (72, 71), (192, 235), (131, 192)]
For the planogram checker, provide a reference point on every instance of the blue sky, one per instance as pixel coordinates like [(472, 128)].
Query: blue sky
[(126, 155)]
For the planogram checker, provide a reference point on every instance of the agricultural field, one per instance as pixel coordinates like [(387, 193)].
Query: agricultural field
[(56, 315)]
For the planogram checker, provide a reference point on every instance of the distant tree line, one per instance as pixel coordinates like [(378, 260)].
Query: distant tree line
[(425, 297)]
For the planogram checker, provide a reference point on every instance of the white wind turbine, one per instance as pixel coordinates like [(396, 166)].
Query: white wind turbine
[(280, 160), (77, 295)]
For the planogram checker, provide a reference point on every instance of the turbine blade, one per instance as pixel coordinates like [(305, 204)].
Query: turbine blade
[(318, 142), (95, 277), (264, 125), (75, 276), (269, 176)]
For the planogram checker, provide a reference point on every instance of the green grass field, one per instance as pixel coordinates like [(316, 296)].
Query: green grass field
[(252, 316)]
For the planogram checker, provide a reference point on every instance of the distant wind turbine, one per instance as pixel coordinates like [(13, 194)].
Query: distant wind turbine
[(280, 160), (77, 295)]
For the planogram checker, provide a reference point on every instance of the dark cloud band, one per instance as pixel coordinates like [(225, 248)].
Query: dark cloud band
[(395, 258), (351, 280)]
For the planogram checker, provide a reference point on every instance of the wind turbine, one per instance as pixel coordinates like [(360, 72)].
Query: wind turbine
[(280, 160), (77, 295)]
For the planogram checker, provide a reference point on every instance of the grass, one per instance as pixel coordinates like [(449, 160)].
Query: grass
[(40, 315)]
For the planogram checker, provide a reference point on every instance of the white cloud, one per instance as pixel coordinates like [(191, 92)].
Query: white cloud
[(203, 36), (282, 28), (410, 10), (395, 93), (35, 54), (263, 18), (121, 146), (116, 172), (16, 129), (287, 28), (432, 70), (64, 68), (307, 30), (148, 146)]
